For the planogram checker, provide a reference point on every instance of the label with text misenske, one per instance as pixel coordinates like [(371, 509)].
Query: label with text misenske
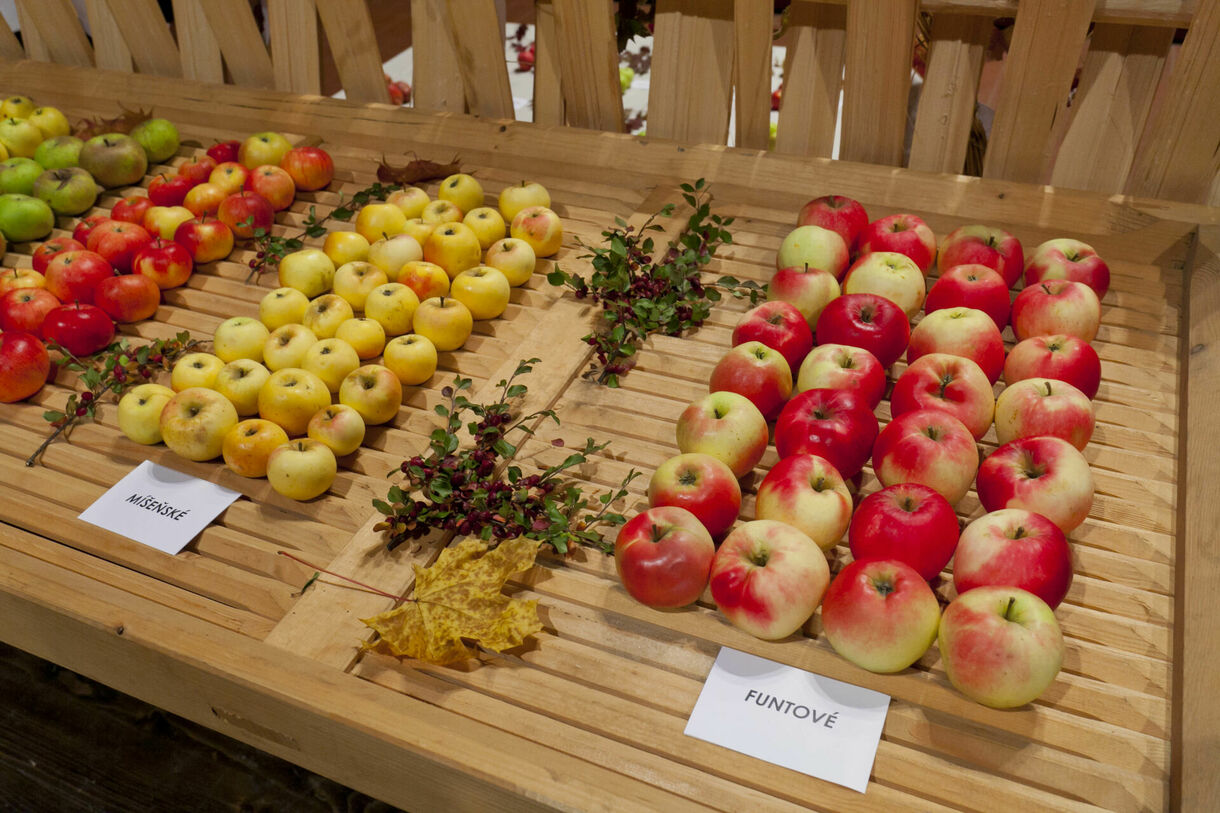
[(787, 716)]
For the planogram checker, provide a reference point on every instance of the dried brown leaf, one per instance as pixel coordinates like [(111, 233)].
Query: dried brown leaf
[(122, 123), (416, 171)]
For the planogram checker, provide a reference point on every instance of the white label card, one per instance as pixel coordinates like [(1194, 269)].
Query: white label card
[(787, 716), (159, 507)]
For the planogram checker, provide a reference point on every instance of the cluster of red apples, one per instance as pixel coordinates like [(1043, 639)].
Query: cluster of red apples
[(813, 361)]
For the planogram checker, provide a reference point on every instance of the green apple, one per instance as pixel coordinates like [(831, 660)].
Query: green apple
[(68, 191), (59, 152), (114, 160), (17, 175), (158, 137), (263, 148), (20, 137), (25, 218)]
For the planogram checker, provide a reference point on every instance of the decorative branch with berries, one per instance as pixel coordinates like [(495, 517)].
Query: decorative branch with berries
[(470, 492), (113, 369)]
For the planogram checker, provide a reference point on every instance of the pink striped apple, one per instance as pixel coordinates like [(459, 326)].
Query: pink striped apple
[(1065, 258), (1046, 475), (726, 426), (984, 245), (702, 485), (1061, 357), (842, 367), (1016, 548), (663, 557), (1042, 406), (971, 286), (952, 384), (837, 213), (808, 493), (964, 332), (1057, 306), (930, 447), (905, 233), (757, 372), (891, 275), (907, 522)]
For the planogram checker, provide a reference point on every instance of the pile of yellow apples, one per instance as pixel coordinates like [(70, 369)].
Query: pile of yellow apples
[(282, 396)]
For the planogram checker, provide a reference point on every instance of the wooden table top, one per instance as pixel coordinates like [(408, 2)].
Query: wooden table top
[(590, 715)]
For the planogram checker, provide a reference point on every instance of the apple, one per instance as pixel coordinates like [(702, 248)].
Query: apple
[(283, 306), (411, 200), (808, 493), (67, 191), (1044, 474), (331, 360), (444, 321), (392, 306), (302, 469), (905, 522), (779, 326), (58, 152), (167, 263), (391, 254), (904, 233), (842, 215), (419, 229), (198, 168), (663, 557), (964, 332), (339, 426), (139, 412), (240, 381), (757, 372), (1068, 259), (17, 278), (522, 196), (230, 177), (72, 276), (263, 148), (482, 289), (768, 578), (841, 367), (195, 421), (930, 447), (78, 328), (25, 218), (310, 168), (512, 257), (439, 212), (868, 321), (379, 221), (353, 281), (88, 223), (1000, 646), (169, 190), (47, 250), (273, 184), (127, 298), (365, 335), (983, 245), (287, 345), (240, 337), (325, 313), (246, 212), (971, 286), (411, 357), (1061, 357), (487, 225), (1043, 406), (701, 484), (815, 247), (1015, 548), (114, 160), (248, 446), (1056, 307), (540, 227), (17, 175), (19, 137), (204, 199), (24, 309), (891, 275), (158, 137), (454, 247), (205, 239), (834, 424), (131, 209), (24, 366), (290, 398), (880, 615), (51, 121), (726, 426), (195, 370), (374, 391), (223, 151), (19, 107), (952, 384), (425, 279), (309, 270), (163, 221), (805, 287), (462, 190), (119, 242)]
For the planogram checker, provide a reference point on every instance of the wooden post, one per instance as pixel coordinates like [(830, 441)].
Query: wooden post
[(947, 101), (877, 80), (813, 79)]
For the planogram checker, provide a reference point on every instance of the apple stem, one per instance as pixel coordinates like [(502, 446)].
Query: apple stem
[(1048, 387), (1007, 610), (657, 533)]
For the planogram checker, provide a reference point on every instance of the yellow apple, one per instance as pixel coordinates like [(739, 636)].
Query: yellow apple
[(195, 421), (410, 200), (462, 190), (325, 314), (425, 279), (248, 446), (263, 148), (515, 198), (331, 360), (376, 221), (195, 370), (290, 398), (338, 426), (241, 337), (240, 381), (486, 224), (140, 412), (51, 121), (287, 345), (163, 221), (540, 227), (514, 257), (354, 280), (17, 107), (417, 228), (444, 321), (373, 391), (393, 307), (310, 271), (392, 254), (454, 248), (283, 306), (412, 358), (302, 469), (483, 289), (345, 247), (364, 334), (440, 212)]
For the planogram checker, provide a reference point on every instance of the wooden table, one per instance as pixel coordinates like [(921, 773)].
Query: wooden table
[(590, 716)]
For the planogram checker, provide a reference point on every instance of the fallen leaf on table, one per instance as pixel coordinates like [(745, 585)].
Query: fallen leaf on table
[(123, 123), (416, 171), (458, 599)]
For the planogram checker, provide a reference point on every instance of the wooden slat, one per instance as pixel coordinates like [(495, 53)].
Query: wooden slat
[(57, 32), (147, 36), (10, 47), (548, 93), (691, 82), (1177, 156), (109, 48), (353, 43), (438, 78), (479, 46), (1046, 46), (240, 41), (1120, 74), (752, 21), (1164, 13), (586, 59), (877, 80), (813, 77), (295, 56), (199, 52), (947, 100)]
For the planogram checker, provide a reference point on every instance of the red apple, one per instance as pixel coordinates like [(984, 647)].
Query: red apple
[(198, 169), (1061, 357), (79, 328), (880, 615), (45, 251), (1058, 306), (806, 492), (834, 424), (244, 212), (128, 298), (310, 167), (274, 184), (726, 426), (806, 288), (702, 485), (165, 263), (118, 242), (837, 213), (205, 238), (868, 321), (891, 275), (223, 151), (949, 383), (779, 326), (169, 190), (964, 332), (757, 372), (131, 209), (24, 365), (841, 367), (929, 447), (87, 224), (971, 286), (768, 578), (984, 245), (1068, 259), (905, 233), (1017, 548), (73, 275), (907, 522), (23, 309), (1043, 406), (1045, 475), (663, 557)]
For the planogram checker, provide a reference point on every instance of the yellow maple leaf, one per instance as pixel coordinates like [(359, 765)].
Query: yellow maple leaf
[(458, 599)]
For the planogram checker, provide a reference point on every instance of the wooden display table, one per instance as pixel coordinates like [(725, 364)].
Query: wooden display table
[(590, 715)]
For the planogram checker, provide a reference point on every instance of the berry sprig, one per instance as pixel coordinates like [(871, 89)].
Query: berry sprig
[(640, 297), (113, 369), (469, 492)]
